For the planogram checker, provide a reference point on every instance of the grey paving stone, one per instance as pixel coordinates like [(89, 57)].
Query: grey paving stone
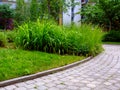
[(117, 85), (2, 88), (42, 88), (20, 84), (11, 87), (113, 87), (21, 88), (61, 86), (53, 88), (30, 82), (84, 88), (107, 83), (50, 85), (29, 86), (73, 88), (85, 81), (39, 83), (91, 85)]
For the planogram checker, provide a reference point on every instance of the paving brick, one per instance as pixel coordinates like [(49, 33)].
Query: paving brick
[(20, 84), (91, 85), (54, 88), (30, 86), (108, 83), (72, 88), (42, 88), (84, 88), (2, 88), (21, 88), (11, 87), (30, 82), (39, 83)]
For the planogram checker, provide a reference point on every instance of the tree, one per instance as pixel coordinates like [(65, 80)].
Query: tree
[(105, 13)]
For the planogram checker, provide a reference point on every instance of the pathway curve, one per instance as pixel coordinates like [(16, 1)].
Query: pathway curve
[(100, 73)]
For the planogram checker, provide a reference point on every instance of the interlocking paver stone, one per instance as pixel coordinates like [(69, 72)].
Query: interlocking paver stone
[(21, 88), (2, 88), (100, 73)]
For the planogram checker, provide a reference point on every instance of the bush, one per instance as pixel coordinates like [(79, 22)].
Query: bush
[(3, 39), (6, 15), (49, 37), (112, 36)]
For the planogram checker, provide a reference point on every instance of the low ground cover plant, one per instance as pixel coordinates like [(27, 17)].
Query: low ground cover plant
[(49, 37)]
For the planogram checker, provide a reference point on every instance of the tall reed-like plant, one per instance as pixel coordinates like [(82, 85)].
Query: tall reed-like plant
[(49, 37)]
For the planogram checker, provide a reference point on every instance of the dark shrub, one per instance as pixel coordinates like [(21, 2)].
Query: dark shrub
[(112, 36), (6, 15)]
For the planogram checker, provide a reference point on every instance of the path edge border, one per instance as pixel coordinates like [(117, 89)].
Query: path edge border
[(43, 73)]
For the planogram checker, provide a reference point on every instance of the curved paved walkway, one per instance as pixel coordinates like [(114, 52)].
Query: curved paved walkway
[(100, 73)]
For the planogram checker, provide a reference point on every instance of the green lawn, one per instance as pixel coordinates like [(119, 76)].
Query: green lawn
[(16, 62), (116, 43)]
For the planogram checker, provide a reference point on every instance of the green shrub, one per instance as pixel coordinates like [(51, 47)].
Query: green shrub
[(3, 39), (6, 11), (49, 37), (112, 36)]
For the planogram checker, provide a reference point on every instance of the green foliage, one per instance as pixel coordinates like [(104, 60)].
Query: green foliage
[(3, 39), (49, 37), (105, 13), (112, 36), (6, 11)]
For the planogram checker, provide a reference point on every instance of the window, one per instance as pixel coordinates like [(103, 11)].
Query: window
[(83, 0)]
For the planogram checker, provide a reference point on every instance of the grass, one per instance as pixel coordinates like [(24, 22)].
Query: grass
[(116, 43), (16, 62)]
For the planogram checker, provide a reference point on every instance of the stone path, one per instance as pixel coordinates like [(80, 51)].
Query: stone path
[(100, 73)]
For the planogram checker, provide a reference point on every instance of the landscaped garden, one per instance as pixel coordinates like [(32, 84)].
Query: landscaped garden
[(69, 44), (39, 43)]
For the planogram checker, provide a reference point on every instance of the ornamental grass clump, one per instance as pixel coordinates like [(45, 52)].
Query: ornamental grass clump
[(84, 39), (49, 37)]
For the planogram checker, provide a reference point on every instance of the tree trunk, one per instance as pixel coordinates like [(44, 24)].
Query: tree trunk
[(110, 25), (60, 17)]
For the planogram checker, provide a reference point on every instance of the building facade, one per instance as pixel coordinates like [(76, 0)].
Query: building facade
[(72, 16)]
